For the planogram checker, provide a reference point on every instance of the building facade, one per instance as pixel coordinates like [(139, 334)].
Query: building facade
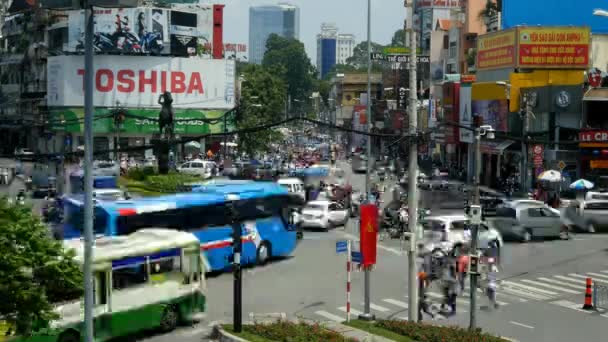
[(282, 19), (345, 47), (326, 48)]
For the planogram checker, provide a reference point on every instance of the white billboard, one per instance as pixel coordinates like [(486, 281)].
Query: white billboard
[(466, 117), (122, 30), (136, 82)]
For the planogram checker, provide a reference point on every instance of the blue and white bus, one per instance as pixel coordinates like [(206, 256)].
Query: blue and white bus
[(263, 207)]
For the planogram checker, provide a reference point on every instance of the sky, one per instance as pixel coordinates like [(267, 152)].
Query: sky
[(350, 16)]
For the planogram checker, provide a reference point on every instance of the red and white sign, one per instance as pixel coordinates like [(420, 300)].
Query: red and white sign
[(593, 136), (129, 81), (595, 78), (538, 150), (538, 160)]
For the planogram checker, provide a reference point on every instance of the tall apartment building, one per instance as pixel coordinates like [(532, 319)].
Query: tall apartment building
[(426, 14), (282, 19), (332, 48)]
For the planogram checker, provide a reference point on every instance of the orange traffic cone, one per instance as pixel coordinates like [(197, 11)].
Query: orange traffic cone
[(588, 296)]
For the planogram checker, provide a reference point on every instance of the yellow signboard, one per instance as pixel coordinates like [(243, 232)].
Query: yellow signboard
[(496, 50), (598, 164), (554, 47)]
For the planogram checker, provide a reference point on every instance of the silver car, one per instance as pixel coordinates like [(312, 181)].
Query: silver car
[(527, 221), (449, 231), (587, 216)]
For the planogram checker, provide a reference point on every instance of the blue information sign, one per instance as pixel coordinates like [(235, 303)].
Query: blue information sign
[(341, 246), (356, 256)]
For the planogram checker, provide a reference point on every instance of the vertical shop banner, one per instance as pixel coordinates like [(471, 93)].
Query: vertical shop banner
[(466, 117), (493, 112), (359, 124), (554, 47), (122, 30), (368, 231)]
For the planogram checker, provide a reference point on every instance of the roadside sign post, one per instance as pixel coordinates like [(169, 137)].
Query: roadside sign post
[(341, 247)]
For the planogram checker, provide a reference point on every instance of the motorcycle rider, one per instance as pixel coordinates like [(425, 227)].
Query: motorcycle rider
[(20, 199)]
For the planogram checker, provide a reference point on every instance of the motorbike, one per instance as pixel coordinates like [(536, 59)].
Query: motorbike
[(152, 42)]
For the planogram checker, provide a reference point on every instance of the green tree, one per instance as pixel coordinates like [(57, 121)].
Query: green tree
[(360, 57), (287, 58), (36, 271), (398, 38), (262, 102)]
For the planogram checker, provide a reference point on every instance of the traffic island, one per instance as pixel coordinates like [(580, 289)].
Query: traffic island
[(405, 331), (299, 331)]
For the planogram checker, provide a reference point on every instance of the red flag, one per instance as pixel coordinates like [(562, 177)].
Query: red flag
[(368, 233)]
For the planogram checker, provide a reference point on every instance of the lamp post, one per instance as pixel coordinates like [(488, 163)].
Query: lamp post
[(488, 131)]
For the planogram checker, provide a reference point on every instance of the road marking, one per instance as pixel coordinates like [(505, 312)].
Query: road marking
[(597, 275), (537, 283), (606, 271), (352, 311), (585, 277), (437, 295), (330, 316), (521, 325), (467, 294), (378, 308), (569, 279), (388, 249), (570, 305), (523, 293), (530, 288), (196, 331), (396, 303), (561, 283)]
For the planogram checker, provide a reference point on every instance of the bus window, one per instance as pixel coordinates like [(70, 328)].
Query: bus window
[(75, 217)]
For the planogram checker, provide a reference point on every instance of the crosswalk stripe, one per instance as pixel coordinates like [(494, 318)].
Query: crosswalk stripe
[(570, 305), (458, 299), (522, 293), (530, 288), (467, 295), (605, 271), (597, 275), (378, 307), (547, 280), (352, 311), (538, 283), (569, 279), (396, 303), (330, 316), (585, 277)]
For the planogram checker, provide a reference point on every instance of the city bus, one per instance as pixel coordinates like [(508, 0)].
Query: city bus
[(170, 289), (262, 207)]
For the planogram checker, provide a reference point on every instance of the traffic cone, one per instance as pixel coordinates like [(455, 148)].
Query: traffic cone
[(588, 296)]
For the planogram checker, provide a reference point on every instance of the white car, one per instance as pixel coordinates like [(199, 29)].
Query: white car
[(323, 215), (105, 168), (198, 167), (447, 232), (23, 153)]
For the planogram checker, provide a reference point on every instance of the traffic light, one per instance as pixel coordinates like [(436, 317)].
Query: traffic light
[(474, 264)]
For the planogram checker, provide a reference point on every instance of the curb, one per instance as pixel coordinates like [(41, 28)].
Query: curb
[(224, 336)]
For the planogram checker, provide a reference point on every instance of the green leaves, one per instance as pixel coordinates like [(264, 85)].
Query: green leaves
[(432, 333), (35, 270)]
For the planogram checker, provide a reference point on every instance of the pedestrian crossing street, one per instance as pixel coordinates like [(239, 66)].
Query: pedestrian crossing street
[(548, 288)]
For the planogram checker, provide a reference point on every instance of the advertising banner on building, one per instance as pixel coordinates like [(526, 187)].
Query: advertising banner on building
[(438, 3), (122, 30), (192, 31), (466, 117), (550, 47), (359, 124), (128, 81), (493, 112), (554, 47), (496, 50), (138, 121)]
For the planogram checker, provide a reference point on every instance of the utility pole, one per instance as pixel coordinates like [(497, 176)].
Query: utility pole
[(88, 174), (475, 232), (225, 136), (237, 309), (412, 198), (524, 145), (367, 315)]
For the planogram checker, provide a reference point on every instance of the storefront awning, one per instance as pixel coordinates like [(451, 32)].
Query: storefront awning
[(495, 146)]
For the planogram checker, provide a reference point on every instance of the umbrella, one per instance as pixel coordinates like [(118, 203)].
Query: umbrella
[(582, 184), (193, 144), (550, 176)]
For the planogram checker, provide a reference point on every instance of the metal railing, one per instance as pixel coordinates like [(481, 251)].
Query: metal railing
[(600, 296)]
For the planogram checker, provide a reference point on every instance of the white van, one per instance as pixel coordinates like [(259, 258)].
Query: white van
[(294, 186)]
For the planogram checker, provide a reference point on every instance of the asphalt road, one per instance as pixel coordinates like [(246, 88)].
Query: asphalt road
[(541, 291)]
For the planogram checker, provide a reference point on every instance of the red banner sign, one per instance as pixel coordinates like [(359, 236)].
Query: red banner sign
[(368, 233), (593, 136)]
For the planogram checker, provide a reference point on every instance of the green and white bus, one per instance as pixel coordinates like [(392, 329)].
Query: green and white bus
[(153, 278)]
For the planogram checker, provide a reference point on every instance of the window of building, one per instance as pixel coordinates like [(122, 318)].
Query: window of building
[(452, 52)]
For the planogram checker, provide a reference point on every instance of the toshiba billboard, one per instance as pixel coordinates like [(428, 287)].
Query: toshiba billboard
[(129, 81)]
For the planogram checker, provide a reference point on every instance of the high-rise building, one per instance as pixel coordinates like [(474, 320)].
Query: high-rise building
[(282, 19), (332, 48)]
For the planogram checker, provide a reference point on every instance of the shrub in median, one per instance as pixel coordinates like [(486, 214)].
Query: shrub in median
[(173, 182), (430, 333), (286, 331)]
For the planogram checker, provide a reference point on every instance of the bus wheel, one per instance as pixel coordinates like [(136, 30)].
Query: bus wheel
[(69, 336), (169, 320), (263, 253)]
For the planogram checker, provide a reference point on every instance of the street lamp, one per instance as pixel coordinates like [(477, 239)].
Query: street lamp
[(600, 12), (488, 131)]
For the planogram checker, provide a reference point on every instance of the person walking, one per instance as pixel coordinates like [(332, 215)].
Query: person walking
[(423, 302), (462, 268), (492, 284), (449, 289)]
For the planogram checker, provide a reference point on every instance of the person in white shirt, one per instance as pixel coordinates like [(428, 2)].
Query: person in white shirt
[(492, 284)]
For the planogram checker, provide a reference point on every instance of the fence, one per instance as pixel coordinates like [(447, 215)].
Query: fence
[(600, 296)]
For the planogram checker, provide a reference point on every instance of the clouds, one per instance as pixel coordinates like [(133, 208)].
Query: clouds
[(349, 15)]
